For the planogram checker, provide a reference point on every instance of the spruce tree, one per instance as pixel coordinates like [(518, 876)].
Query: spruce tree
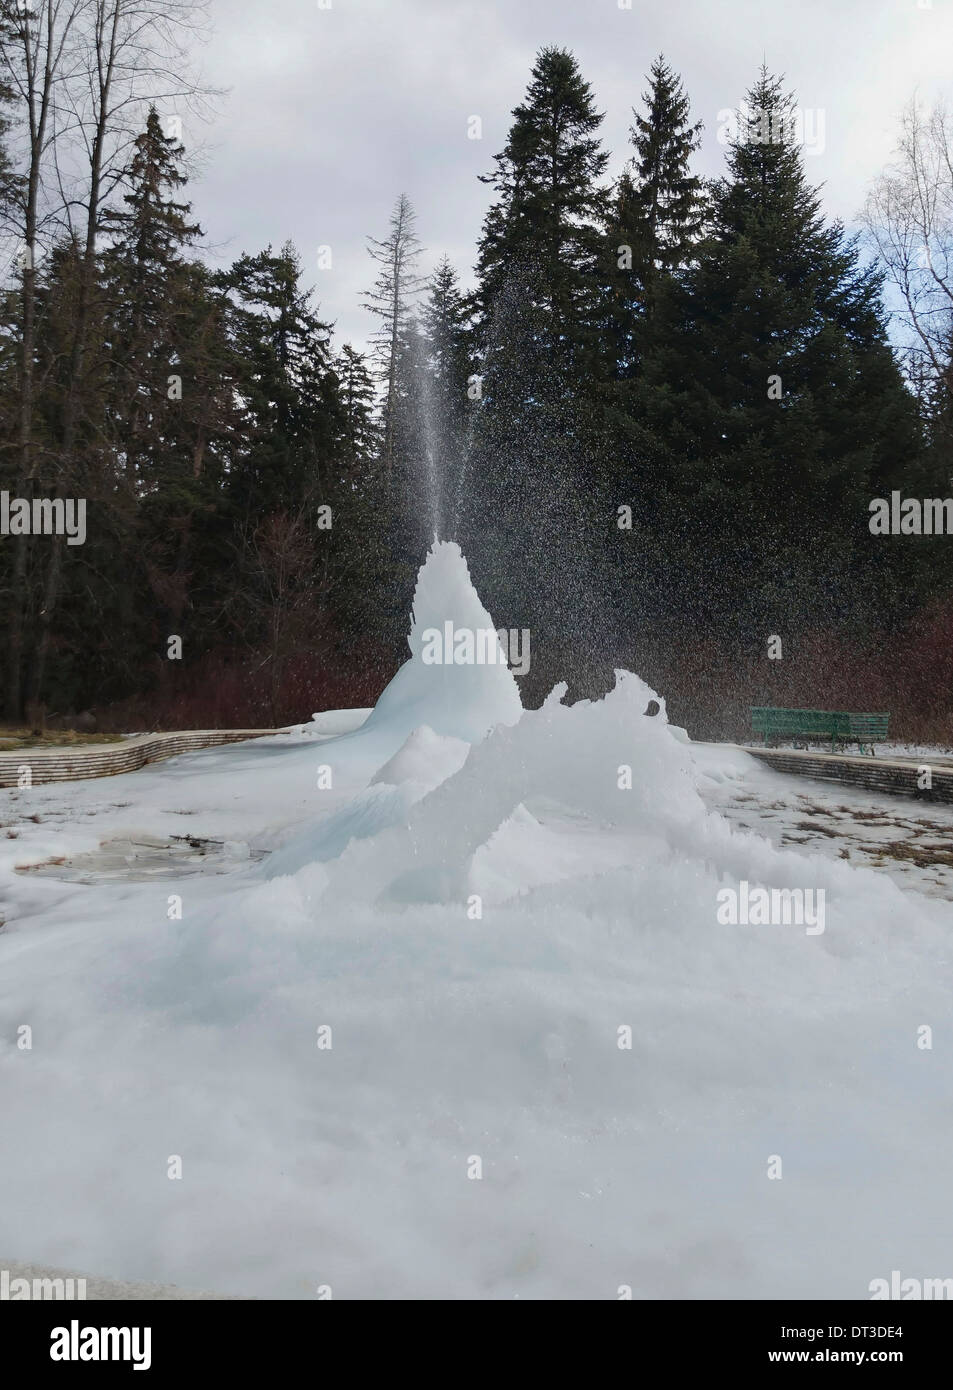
[(170, 398), (771, 408), (657, 214), (284, 375), (656, 220), (541, 237), (358, 438), (364, 602), (539, 307), (147, 285), (445, 323), (669, 200)]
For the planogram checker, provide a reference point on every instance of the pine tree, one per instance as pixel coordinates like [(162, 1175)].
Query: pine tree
[(147, 284), (358, 440), (445, 323), (171, 404), (284, 375), (771, 408), (414, 504), (539, 306), (541, 237), (669, 201), (657, 215)]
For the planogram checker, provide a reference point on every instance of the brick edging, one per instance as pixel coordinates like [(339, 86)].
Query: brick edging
[(875, 774), (108, 760)]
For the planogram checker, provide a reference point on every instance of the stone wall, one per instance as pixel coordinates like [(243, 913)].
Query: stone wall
[(108, 759), (873, 773)]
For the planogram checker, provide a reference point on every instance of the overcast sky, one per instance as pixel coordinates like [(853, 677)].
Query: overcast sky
[(331, 112)]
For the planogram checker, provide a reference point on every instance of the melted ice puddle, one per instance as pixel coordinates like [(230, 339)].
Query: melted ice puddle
[(145, 858)]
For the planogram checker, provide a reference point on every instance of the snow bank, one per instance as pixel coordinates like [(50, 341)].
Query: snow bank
[(336, 721)]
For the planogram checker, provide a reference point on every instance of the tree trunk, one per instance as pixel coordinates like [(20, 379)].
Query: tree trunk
[(66, 471)]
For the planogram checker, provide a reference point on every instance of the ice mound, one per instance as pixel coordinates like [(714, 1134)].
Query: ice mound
[(462, 701), (494, 937), (422, 762), (426, 760), (601, 761)]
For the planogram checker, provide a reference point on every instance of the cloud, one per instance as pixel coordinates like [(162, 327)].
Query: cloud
[(333, 112)]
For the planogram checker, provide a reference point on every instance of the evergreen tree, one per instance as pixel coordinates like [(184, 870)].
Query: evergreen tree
[(148, 286), (771, 407), (358, 441), (445, 324), (657, 215), (171, 403), (541, 237), (539, 305), (414, 501), (656, 220), (284, 376), (99, 578), (373, 578), (668, 199)]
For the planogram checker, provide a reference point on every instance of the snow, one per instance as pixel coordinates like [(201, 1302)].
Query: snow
[(902, 752), (911, 841), (475, 906), (334, 721)]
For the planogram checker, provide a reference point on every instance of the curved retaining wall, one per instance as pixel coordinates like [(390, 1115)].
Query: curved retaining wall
[(108, 759), (886, 775)]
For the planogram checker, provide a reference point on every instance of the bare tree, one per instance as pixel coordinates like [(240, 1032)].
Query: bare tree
[(909, 219), (390, 300)]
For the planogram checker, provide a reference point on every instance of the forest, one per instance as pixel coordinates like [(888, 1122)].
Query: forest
[(657, 412)]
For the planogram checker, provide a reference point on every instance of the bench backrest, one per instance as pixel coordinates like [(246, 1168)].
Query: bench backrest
[(823, 723), (869, 726)]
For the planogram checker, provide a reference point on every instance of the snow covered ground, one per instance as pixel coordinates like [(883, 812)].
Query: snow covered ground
[(904, 752), (485, 909), (909, 840)]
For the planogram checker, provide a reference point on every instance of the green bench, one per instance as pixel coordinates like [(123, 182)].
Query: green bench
[(837, 725)]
